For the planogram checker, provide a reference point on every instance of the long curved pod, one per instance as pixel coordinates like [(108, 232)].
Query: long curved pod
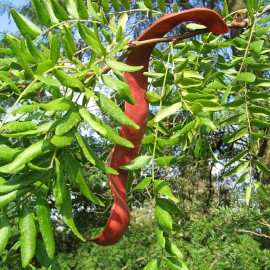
[(119, 219)]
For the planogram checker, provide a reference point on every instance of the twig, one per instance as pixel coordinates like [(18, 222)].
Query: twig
[(265, 10), (174, 39), (212, 265), (134, 44), (254, 233), (138, 260), (264, 223)]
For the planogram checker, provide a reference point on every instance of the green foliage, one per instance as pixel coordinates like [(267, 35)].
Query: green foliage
[(221, 242), (215, 241), (53, 80)]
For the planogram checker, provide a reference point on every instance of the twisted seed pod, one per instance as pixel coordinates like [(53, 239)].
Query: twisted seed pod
[(120, 216)]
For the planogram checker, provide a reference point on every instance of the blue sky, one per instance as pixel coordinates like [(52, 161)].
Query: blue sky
[(6, 23)]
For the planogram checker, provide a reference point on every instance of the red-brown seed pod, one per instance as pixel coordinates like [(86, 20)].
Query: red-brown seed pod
[(120, 216)]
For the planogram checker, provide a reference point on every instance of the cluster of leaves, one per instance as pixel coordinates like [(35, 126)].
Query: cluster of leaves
[(48, 80)]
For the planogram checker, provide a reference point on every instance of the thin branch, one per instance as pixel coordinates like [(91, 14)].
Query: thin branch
[(264, 223), (212, 265), (265, 10), (254, 233), (174, 39)]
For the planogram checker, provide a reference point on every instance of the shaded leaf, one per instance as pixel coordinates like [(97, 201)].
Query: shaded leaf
[(59, 12), (74, 171), (43, 16), (92, 157), (260, 123), (169, 206), (69, 81), (260, 166), (63, 200)]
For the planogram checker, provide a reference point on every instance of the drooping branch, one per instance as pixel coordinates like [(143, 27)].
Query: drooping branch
[(135, 44)]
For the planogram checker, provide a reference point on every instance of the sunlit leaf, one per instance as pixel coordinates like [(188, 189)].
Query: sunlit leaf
[(12, 196), (237, 157), (167, 111), (248, 193), (45, 225), (239, 168), (4, 232), (175, 264), (152, 265), (143, 184), (25, 26), (28, 235), (108, 106), (163, 188), (103, 129), (246, 77), (136, 163)]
